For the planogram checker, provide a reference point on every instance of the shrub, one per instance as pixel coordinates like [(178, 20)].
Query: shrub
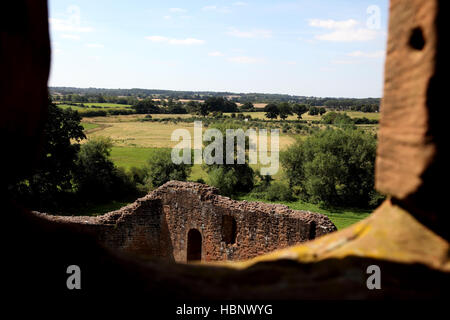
[(138, 177), (96, 177), (341, 120), (161, 169), (278, 191)]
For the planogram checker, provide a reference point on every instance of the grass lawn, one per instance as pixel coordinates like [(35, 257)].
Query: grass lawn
[(89, 126), (341, 217), (130, 157)]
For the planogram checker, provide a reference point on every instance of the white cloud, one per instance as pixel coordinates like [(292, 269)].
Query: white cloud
[(173, 41), (177, 10), (246, 60), (157, 39), (254, 33), (187, 41), (216, 54), (345, 62), (71, 36), (239, 4), (217, 9), (343, 31), (361, 54), (332, 24), (67, 26), (349, 35), (167, 17), (94, 45)]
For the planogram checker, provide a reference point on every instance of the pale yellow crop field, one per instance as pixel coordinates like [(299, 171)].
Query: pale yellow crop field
[(152, 134)]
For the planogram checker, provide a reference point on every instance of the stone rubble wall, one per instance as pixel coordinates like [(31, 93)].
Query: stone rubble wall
[(157, 225)]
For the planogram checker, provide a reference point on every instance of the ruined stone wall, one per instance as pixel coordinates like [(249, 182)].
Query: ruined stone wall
[(158, 225)]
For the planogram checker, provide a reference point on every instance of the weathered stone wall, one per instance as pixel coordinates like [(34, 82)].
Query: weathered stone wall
[(412, 151), (158, 225)]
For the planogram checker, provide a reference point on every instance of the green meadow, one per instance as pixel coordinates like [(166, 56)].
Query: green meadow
[(341, 217)]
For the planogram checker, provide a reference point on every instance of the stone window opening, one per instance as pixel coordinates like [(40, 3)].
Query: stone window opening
[(229, 228)]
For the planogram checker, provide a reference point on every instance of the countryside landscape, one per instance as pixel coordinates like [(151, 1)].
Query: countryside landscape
[(224, 158), (130, 133)]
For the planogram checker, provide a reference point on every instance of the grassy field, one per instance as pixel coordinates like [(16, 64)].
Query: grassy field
[(342, 218), (127, 157), (151, 134), (103, 105), (107, 106), (89, 125), (135, 117)]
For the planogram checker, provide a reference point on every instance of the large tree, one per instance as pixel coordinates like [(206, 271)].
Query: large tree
[(54, 171), (230, 178), (285, 110), (333, 167), (299, 110), (146, 106), (247, 106), (220, 104), (272, 111)]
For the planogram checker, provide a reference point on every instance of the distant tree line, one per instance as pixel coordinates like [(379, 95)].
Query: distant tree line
[(129, 96), (285, 109), (210, 105)]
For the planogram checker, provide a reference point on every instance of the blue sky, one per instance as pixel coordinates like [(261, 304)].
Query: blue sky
[(313, 48)]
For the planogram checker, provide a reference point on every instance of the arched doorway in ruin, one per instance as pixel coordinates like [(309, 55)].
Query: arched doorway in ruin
[(194, 245)]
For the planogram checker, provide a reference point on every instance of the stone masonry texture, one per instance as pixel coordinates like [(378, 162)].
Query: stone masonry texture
[(158, 224)]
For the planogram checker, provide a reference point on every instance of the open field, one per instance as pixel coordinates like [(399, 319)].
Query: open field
[(141, 134), (127, 157), (106, 106), (368, 115), (97, 104), (89, 125), (134, 118), (151, 134), (342, 218)]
